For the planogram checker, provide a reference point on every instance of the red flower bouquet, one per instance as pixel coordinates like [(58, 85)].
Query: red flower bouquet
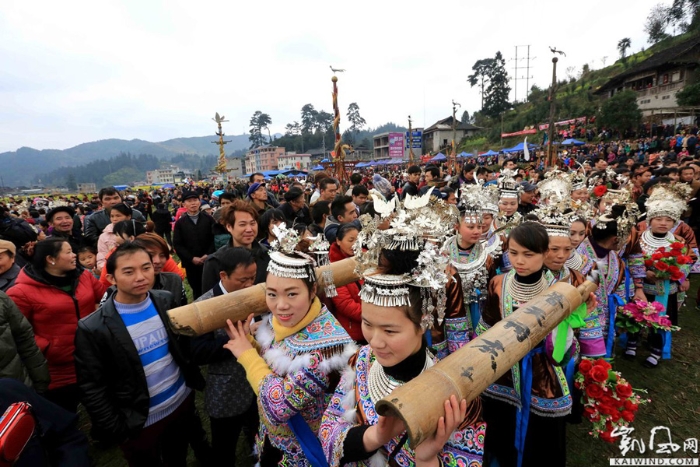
[(637, 315), (666, 261), (608, 399), (599, 191)]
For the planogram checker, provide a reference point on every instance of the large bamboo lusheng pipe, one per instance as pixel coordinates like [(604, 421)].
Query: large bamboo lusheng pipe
[(470, 370), (201, 317)]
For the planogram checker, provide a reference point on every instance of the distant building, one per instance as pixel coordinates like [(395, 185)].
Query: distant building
[(292, 160), (438, 136), (262, 158), (657, 79), (87, 188), (160, 176), (235, 167), (394, 145)]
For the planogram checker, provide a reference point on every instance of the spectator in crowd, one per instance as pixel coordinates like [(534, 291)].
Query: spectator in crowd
[(527, 197), (449, 195), (328, 188), (96, 222), (257, 177), (87, 257), (61, 221), (59, 442), (159, 252), (228, 398), (269, 220), (347, 306), (241, 220), (53, 294), (22, 359), (163, 219), (432, 179), (355, 180), (509, 164), (411, 186), (9, 270), (295, 209), (600, 164), (193, 240), (646, 192), (257, 196), (107, 241), (319, 213), (342, 212), (360, 194), (467, 176), (135, 373), (318, 176)]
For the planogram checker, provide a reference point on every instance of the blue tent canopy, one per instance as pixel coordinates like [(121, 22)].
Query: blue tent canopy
[(465, 154), (572, 142), (489, 153), (325, 160), (318, 167), (360, 165), (439, 157), (371, 163), (383, 162), (168, 185), (520, 147), (396, 161), (121, 187), (218, 193)]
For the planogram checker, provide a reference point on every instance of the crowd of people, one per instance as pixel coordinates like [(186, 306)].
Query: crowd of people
[(86, 284)]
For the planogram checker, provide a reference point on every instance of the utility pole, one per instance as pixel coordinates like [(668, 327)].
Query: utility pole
[(410, 142), (551, 151), (516, 67), (454, 134)]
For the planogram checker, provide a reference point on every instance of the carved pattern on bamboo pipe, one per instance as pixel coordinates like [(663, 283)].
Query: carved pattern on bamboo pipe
[(521, 332), (468, 373), (491, 348)]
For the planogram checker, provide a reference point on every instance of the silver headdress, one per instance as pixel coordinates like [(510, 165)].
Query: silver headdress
[(320, 249), (419, 224), (507, 186), (472, 199), (282, 263), (625, 222), (668, 200), (554, 221), (555, 188), (578, 181)]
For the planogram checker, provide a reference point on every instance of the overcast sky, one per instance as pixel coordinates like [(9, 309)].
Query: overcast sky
[(80, 71)]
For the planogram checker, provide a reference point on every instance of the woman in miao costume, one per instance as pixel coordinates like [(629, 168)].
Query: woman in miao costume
[(609, 235), (470, 257), (664, 208), (525, 409), (508, 217), (397, 313), (295, 359)]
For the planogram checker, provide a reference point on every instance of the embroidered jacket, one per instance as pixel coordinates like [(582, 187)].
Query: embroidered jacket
[(684, 230), (551, 395), (611, 271), (351, 406), (451, 331), (475, 269), (640, 252), (300, 381)]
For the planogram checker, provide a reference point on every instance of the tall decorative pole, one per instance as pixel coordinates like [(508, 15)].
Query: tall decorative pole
[(410, 142), (551, 159), (454, 135), (221, 164), (340, 148)]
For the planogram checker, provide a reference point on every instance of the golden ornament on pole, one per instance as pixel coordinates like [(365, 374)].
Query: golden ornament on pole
[(221, 163)]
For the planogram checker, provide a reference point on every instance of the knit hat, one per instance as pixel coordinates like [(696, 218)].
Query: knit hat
[(382, 184)]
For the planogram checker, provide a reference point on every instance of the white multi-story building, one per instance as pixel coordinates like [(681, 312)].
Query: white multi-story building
[(292, 160), (158, 176)]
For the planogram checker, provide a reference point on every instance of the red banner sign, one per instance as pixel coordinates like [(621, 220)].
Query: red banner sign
[(519, 133)]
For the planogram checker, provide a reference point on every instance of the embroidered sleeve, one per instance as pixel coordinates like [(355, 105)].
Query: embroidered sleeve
[(636, 265), (591, 336), (457, 333), (338, 419), (281, 397), (492, 311)]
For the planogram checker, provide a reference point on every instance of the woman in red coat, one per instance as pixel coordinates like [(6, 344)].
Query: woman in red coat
[(347, 306), (53, 294)]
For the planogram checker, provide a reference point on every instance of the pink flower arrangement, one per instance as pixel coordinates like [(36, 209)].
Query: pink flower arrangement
[(608, 399), (637, 315)]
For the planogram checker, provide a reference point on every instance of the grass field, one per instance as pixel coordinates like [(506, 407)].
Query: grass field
[(674, 388)]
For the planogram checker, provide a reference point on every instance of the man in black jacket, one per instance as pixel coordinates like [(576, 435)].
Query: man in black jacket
[(134, 372), (193, 240), (96, 222), (411, 186), (295, 209), (162, 218)]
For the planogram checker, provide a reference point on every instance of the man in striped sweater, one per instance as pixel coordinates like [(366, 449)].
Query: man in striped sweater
[(135, 373)]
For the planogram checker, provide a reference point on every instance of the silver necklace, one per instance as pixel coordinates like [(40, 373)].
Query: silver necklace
[(575, 261), (381, 385), (650, 243), (525, 292)]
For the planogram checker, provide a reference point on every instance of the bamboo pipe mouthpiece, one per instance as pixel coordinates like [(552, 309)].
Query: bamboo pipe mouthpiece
[(471, 369), (201, 317)]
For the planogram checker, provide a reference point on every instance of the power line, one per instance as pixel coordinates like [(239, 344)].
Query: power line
[(527, 76)]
